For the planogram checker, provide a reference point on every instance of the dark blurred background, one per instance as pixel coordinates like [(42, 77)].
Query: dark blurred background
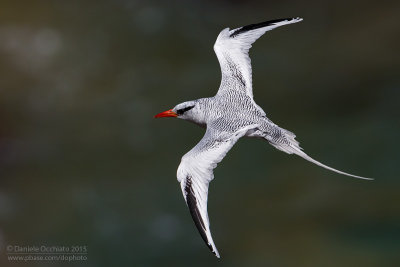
[(83, 162)]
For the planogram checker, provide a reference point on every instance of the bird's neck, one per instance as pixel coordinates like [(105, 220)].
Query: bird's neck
[(200, 112)]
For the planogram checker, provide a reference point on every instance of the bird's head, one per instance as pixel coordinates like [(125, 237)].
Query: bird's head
[(189, 110)]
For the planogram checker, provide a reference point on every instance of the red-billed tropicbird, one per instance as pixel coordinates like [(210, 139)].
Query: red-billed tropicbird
[(229, 115)]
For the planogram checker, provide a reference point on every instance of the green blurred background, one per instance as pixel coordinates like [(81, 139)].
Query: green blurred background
[(83, 162)]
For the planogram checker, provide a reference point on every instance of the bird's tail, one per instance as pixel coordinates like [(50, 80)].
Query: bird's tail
[(287, 143)]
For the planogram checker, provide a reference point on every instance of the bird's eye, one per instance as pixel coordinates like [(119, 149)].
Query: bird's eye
[(183, 110)]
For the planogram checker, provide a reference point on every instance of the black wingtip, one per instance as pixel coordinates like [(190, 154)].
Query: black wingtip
[(216, 254), (195, 213), (261, 25)]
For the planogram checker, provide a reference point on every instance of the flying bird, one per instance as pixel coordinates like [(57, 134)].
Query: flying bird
[(229, 115)]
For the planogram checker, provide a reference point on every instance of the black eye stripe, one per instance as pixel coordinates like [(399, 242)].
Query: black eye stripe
[(181, 111)]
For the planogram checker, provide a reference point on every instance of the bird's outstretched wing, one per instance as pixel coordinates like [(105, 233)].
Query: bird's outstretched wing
[(196, 171), (232, 48)]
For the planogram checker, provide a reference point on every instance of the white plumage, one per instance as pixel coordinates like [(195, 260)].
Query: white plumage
[(228, 116), (232, 47)]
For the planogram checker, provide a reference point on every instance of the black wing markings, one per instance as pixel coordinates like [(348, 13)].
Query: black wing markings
[(257, 26), (194, 211)]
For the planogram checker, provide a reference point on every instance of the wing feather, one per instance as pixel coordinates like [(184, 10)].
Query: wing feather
[(196, 171), (232, 49)]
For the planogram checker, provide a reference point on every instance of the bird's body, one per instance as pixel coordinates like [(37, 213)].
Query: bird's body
[(229, 115)]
